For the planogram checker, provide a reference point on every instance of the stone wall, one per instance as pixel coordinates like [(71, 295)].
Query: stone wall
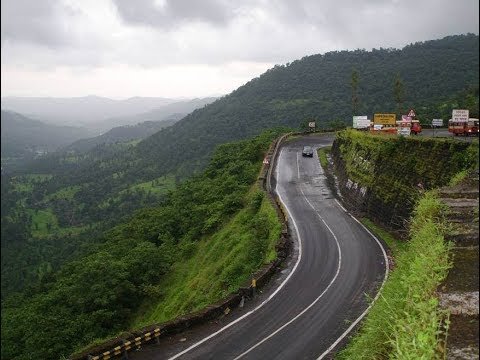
[(382, 177)]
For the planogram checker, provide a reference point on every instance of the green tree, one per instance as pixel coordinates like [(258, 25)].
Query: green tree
[(354, 83), (399, 93)]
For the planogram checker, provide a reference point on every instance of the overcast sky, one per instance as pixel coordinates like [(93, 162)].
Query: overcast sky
[(197, 48)]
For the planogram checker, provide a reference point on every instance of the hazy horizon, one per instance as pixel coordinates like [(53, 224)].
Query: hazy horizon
[(100, 113)]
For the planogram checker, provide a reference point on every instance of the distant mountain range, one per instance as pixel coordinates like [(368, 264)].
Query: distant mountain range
[(174, 110), (90, 111), (22, 136), (123, 134)]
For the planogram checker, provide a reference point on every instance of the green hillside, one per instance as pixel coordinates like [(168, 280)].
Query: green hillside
[(219, 214), (319, 87), (122, 134)]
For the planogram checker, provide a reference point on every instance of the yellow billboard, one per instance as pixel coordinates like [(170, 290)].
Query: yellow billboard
[(384, 119)]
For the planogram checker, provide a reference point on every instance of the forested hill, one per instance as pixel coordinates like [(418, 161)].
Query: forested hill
[(319, 87), (22, 136), (123, 134)]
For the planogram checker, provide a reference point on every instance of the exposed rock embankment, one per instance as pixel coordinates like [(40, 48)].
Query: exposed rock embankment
[(460, 292)]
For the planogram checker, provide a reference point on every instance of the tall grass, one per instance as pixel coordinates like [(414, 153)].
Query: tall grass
[(322, 156), (405, 322), (219, 264)]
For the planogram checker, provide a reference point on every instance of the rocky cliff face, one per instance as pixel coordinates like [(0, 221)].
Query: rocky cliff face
[(459, 293), (383, 176)]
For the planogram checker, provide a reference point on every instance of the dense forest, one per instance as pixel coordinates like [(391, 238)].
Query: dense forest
[(124, 133), (67, 219)]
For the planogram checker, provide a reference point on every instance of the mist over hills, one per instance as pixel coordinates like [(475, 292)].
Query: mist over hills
[(123, 134), (83, 111), (138, 126), (101, 114), (174, 110), (22, 136)]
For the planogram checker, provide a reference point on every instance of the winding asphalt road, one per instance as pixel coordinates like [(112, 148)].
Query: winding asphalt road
[(306, 314)]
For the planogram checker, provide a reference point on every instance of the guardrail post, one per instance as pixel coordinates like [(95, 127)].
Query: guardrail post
[(156, 334), (126, 347)]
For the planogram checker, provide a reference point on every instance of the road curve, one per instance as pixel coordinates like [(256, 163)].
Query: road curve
[(335, 266)]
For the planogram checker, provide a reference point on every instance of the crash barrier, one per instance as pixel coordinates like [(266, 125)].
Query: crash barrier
[(127, 345), (128, 341)]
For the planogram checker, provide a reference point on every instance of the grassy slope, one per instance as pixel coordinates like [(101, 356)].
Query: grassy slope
[(161, 185), (405, 322), (219, 264)]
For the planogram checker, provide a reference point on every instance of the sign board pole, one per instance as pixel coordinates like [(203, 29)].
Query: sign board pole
[(436, 123)]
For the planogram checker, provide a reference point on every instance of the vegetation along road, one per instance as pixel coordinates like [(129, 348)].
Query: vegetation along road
[(337, 265)]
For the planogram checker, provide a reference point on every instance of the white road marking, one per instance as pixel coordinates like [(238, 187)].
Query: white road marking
[(376, 297), (298, 168), (316, 300), (265, 301), (290, 275)]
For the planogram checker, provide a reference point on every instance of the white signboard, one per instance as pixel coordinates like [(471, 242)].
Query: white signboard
[(311, 124), (404, 131), (460, 115), (437, 122), (361, 122)]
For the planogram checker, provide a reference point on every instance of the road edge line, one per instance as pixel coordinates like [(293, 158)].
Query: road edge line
[(193, 346), (378, 293)]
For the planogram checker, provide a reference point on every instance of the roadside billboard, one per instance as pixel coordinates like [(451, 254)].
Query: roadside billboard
[(460, 115), (384, 119), (437, 122), (361, 122)]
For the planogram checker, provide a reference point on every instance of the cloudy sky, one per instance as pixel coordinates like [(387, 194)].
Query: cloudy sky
[(197, 48)]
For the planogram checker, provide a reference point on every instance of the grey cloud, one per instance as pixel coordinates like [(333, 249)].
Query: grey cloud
[(32, 21), (268, 31), (173, 13)]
